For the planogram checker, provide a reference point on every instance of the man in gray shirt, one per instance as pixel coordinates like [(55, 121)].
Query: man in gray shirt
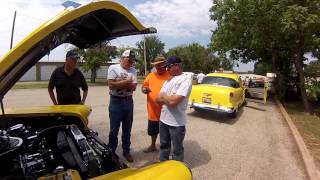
[(122, 81), (173, 96)]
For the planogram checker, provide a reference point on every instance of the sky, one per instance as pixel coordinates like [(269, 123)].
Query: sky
[(178, 22)]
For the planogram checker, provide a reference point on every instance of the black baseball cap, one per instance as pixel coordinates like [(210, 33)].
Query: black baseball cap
[(72, 54), (172, 60)]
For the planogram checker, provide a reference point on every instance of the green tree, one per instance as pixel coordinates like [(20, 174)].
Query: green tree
[(301, 22), (95, 56), (198, 58), (261, 31), (312, 70), (154, 47), (312, 73), (262, 68)]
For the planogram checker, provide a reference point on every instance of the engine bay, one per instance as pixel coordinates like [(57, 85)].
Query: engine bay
[(29, 152)]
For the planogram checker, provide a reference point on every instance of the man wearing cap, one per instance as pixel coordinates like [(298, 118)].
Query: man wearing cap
[(122, 81), (68, 80), (173, 96), (151, 86)]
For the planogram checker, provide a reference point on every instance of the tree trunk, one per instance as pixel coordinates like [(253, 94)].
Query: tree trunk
[(274, 59), (93, 75), (299, 67)]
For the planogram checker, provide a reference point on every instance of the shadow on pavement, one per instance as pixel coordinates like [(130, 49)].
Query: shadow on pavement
[(256, 108), (194, 156), (216, 116), (255, 100)]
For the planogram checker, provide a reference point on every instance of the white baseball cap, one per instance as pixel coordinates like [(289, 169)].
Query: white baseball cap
[(129, 53)]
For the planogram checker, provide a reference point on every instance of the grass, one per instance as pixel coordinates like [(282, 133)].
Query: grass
[(44, 84), (308, 126)]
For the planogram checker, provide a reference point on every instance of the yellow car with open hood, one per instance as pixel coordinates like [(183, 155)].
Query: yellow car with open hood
[(55, 142), (221, 92)]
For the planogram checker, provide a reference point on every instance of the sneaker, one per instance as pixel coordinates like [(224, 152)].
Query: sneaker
[(128, 157)]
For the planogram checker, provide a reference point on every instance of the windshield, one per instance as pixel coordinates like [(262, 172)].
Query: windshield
[(220, 81)]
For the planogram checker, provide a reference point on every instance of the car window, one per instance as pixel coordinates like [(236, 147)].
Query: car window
[(220, 81)]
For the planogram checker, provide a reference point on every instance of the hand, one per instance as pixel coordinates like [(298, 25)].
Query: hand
[(162, 95), (146, 90), (129, 79)]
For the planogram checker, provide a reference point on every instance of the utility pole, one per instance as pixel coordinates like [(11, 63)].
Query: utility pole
[(145, 55), (13, 23)]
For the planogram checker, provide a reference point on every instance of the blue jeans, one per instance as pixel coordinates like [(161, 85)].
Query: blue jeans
[(174, 134), (120, 111)]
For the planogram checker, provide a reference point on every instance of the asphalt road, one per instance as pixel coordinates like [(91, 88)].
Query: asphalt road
[(255, 145)]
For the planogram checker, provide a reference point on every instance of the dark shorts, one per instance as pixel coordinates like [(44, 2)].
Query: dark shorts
[(153, 128)]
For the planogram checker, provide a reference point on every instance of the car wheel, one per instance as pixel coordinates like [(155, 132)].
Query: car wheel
[(197, 109), (247, 94), (234, 113), (244, 103)]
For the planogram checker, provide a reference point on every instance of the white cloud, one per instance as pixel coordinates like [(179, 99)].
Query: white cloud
[(177, 21), (177, 18), (30, 15)]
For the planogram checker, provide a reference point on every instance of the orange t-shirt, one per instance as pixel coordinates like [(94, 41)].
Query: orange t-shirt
[(154, 81)]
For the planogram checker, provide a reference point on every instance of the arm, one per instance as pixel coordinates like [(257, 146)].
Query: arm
[(51, 86), (52, 96), (84, 96), (171, 101), (145, 86), (84, 87), (121, 84)]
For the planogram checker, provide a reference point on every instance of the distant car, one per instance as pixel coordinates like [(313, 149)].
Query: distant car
[(221, 92), (256, 89)]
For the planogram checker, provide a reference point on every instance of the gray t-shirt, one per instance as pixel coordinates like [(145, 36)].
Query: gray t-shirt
[(116, 72), (178, 85)]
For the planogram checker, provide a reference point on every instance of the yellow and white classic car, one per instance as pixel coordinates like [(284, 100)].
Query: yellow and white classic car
[(221, 92), (55, 142)]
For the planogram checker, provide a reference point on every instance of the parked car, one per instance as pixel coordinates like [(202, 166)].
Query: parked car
[(256, 89), (55, 142), (221, 92)]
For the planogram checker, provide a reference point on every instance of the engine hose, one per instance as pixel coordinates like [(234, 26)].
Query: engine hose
[(41, 134)]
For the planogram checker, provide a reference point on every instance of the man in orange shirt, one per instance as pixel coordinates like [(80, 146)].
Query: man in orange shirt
[(151, 86)]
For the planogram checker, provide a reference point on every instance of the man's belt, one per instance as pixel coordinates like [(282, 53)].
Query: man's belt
[(122, 97)]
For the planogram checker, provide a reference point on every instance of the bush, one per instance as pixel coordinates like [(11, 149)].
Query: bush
[(313, 92)]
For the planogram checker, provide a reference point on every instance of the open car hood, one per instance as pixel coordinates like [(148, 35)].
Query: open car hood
[(82, 27)]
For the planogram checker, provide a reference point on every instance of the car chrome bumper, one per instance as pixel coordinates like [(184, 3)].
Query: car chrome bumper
[(213, 108)]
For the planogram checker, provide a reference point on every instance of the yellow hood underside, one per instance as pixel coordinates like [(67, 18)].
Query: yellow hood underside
[(80, 111)]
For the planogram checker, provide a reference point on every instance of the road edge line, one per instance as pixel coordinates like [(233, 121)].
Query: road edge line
[(307, 158)]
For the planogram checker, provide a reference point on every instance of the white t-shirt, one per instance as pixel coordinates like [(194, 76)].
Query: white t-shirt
[(178, 85), (200, 77), (116, 72)]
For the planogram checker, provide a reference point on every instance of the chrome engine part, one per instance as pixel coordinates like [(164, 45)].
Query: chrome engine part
[(27, 153)]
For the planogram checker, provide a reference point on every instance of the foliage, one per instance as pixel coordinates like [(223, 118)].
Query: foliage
[(262, 68), (268, 31), (154, 47), (197, 58), (95, 56), (312, 70)]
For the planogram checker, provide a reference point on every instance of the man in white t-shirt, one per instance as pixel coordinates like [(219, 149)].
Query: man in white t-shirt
[(200, 77), (173, 96), (122, 81)]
